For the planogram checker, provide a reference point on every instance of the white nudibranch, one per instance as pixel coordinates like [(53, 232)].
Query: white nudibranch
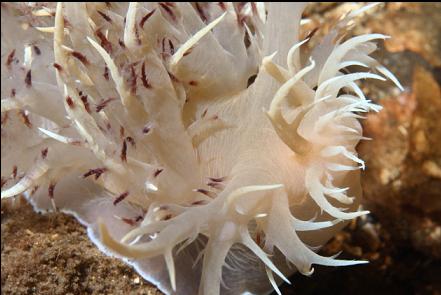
[(198, 142)]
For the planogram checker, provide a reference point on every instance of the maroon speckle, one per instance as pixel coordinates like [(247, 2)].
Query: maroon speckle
[(58, 67), (81, 57), (10, 58), (258, 238), (215, 185), (13, 92), (157, 172), (44, 153), (217, 179), (103, 104), (85, 103), (240, 6), (172, 47), (166, 7), (222, 6), (173, 77), (121, 131), (106, 73), (14, 171), (193, 83), (76, 142), (25, 119), (132, 221), (138, 38), (37, 49), (145, 81), (66, 22), (241, 19), (104, 42), (312, 33), (146, 17), (70, 102), (132, 79), (200, 202), (123, 155), (205, 192), (34, 189), (163, 45), (97, 172), (51, 190), (129, 221), (105, 16), (121, 43), (146, 129), (120, 198), (28, 78), (188, 51), (131, 141), (254, 8), (201, 12)]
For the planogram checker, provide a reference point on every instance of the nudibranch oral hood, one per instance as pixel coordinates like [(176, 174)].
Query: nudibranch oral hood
[(201, 142)]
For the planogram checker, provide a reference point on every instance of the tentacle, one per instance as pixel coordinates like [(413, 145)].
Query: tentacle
[(249, 242), (214, 258), (27, 181), (129, 101), (316, 191), (174, 61), (283, 236)]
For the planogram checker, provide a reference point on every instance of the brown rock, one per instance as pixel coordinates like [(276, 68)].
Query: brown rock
[(402, 184)]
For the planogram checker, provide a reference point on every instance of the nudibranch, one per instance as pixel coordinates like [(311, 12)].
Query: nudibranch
[(201, 143)]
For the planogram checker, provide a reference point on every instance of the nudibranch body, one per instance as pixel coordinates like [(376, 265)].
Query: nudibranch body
[(196, 141)]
